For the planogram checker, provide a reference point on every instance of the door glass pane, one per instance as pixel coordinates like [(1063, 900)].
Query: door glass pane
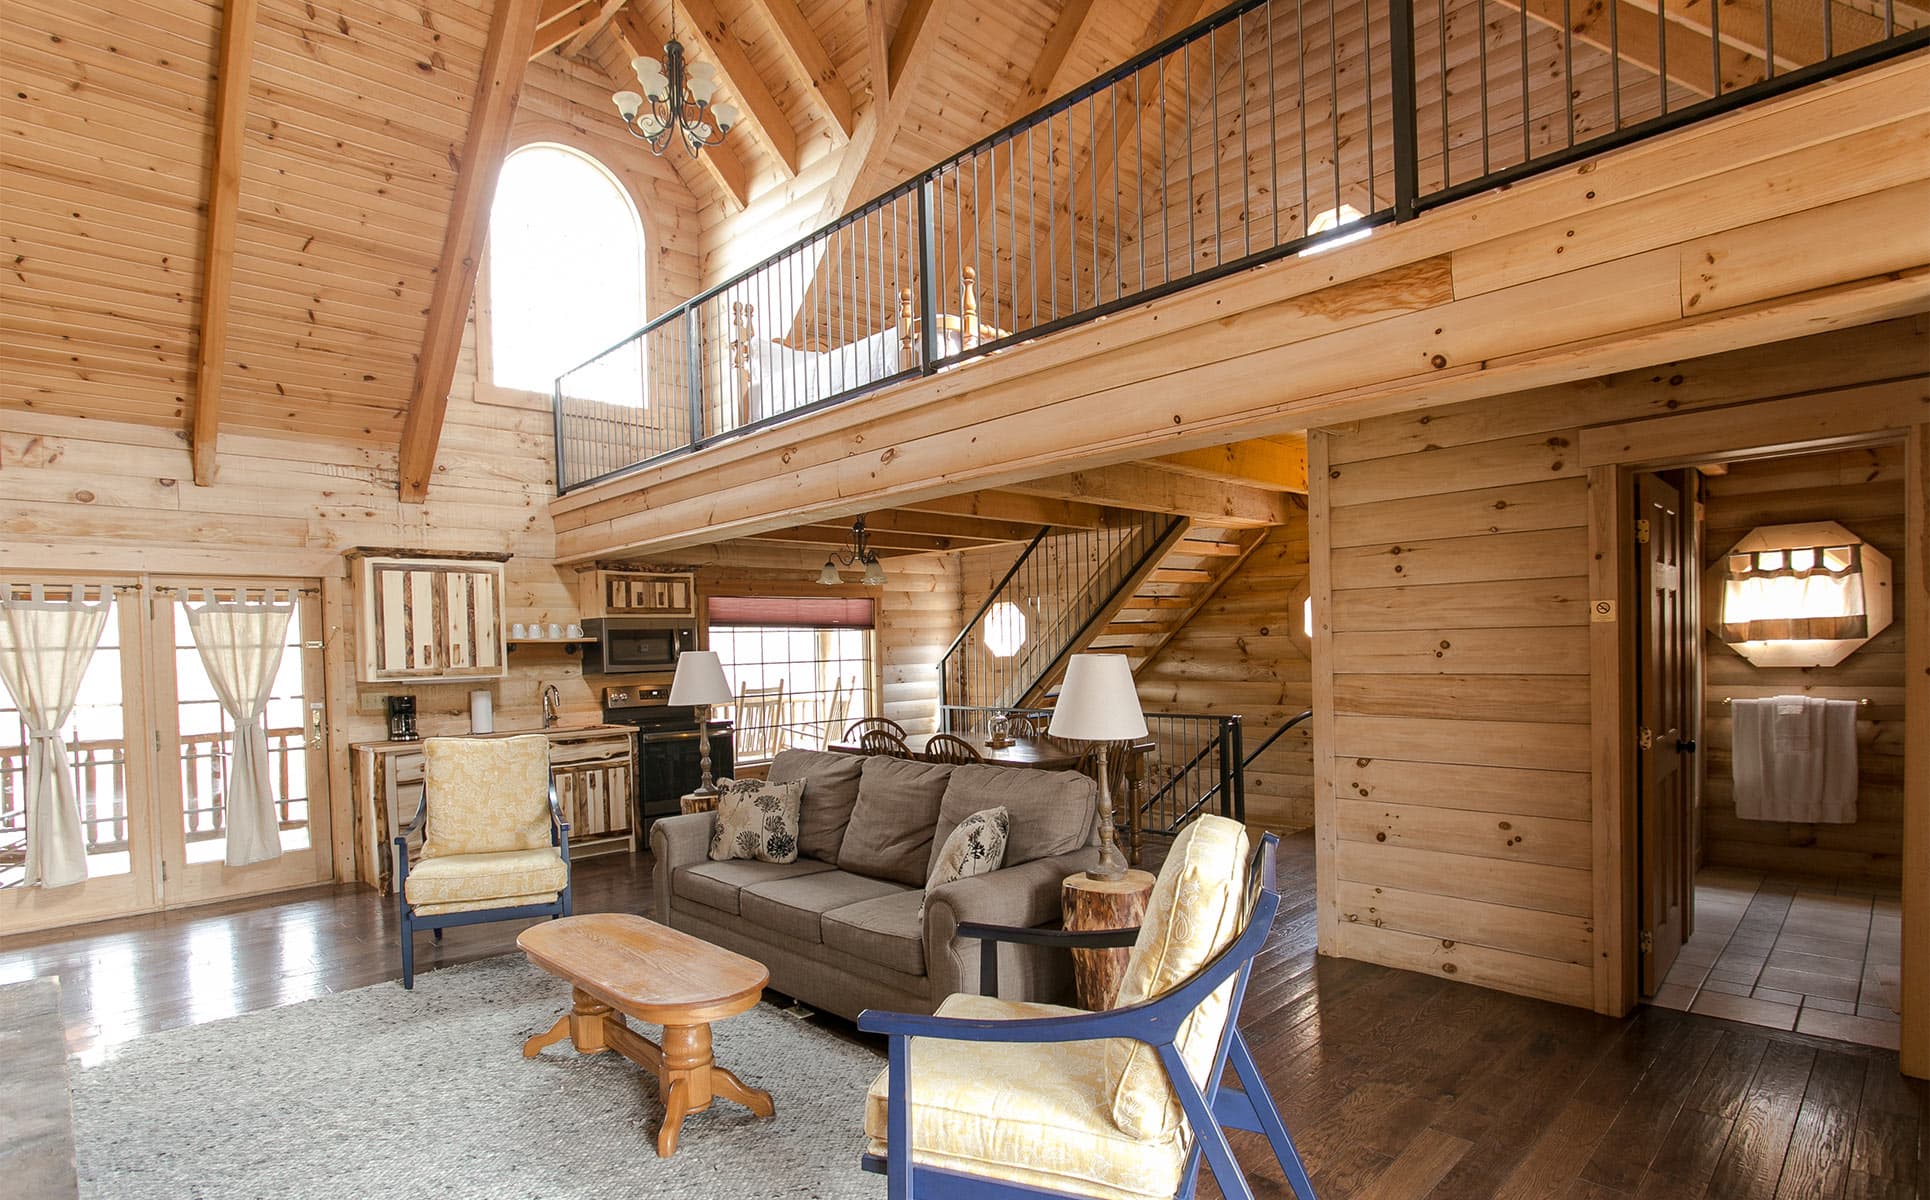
[(93, 734), (206, 746)]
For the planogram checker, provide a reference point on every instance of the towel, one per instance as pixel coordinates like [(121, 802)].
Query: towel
[(1794, 759)]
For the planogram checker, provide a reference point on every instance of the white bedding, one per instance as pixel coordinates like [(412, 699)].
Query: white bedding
[(784, 379)]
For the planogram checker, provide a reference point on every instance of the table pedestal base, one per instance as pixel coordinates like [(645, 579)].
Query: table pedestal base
[(689, 1078)]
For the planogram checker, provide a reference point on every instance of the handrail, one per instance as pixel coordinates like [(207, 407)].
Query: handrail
[(1153, 552), (1249, 760), (992, 597)]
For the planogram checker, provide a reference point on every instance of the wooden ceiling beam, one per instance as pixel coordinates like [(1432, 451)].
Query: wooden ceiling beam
[(768, 122), (1011, 506), (808, 58), (978, 529), (606, 12), (1150, 489), (721, 162), (913, 45), (1634, 35), (1257, 462), (834, 536), (877, 48), (512, 28), (1052, 75), (566, 25), (238, 22)]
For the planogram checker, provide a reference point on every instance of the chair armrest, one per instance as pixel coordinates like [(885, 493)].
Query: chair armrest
[(676, 842), (1014, 897), (561, 828), (1083, 939), (1153, 1021)]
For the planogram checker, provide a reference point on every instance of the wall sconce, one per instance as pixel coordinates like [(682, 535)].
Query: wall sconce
[(1802, 595)]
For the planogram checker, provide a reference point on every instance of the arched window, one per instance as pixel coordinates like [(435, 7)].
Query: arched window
[(565, 265)]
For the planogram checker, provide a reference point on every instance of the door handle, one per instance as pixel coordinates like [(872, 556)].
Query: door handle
[(1685, 747)]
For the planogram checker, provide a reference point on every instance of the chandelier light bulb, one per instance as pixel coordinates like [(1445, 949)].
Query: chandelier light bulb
[(628, 103), (874, 572), (702, 71), (703, 89), (645, 66), (829, 576), (725, 114)]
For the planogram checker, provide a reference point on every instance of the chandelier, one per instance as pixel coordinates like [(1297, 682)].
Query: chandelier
[(860, 554), (676, 103)]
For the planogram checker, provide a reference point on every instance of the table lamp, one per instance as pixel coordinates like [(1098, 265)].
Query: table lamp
[(1098, 703), (700, 681)]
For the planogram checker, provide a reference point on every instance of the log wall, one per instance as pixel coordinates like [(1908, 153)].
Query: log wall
[(1862, 490), (1451, 583)]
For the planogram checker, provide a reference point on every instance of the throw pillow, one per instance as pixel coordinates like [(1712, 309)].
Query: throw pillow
[(976, 847), (756, 819)]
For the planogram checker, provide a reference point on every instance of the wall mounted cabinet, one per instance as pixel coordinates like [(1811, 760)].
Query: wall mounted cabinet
[(638, 594), (424, 619)]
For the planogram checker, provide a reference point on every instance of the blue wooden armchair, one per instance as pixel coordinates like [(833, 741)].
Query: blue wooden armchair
[(497, 847), (1013, 1101)]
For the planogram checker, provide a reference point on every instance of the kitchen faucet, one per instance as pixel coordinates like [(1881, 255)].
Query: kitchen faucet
[(551, 700)]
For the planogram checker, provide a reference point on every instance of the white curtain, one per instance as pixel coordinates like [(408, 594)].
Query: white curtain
[(240, 645), (45, 646)]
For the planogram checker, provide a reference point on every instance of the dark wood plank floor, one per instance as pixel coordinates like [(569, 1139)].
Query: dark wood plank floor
[(1395, 1085)]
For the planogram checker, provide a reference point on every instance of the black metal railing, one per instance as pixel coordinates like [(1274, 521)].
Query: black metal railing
[(1055, 595), (1273, 127)]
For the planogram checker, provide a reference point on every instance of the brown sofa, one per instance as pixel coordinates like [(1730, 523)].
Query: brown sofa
[(849, 926)]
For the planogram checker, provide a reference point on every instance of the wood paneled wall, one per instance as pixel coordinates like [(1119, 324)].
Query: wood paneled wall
[(1239, 654), (1862, 490), (1451, 561)]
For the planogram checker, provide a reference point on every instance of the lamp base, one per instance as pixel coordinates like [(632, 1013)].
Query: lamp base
[(1112, 864)]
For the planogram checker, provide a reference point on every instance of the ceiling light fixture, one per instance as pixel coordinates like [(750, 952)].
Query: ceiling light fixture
[(860, 554), (677, 103)]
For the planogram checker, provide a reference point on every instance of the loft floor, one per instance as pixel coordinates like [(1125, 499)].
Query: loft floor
[(1396, 1085)]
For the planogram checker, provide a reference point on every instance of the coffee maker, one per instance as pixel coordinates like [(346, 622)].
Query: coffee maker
[(402, 719)]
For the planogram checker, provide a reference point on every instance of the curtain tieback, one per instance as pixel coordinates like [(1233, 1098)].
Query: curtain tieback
[(51, 735)]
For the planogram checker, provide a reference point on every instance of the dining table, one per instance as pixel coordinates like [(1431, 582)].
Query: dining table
[(1041, 753)]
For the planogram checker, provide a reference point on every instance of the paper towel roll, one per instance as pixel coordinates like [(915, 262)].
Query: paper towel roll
[(482, 711)]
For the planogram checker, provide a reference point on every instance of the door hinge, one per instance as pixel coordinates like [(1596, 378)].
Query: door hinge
[(1645, 737), (1648, 942), (157, 741), (1642, 531)]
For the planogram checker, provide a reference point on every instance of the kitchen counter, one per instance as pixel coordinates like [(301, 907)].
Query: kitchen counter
[(554, 731)]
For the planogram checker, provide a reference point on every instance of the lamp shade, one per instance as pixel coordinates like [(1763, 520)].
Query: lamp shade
[(700, 679), (1097, 701)]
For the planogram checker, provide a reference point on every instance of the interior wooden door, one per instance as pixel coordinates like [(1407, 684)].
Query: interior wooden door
[(1664, 685), (106, 747), (193, 748)]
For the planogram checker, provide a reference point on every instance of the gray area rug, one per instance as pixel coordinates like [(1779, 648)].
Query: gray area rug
[(381, 1092)]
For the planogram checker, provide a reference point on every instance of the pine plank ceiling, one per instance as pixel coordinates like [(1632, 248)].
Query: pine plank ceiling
[(346, 126)]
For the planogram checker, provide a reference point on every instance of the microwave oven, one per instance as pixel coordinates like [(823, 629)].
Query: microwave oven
[(636, 645)]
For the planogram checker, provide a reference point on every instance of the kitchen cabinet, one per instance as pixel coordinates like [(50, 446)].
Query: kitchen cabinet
[(638, 594), (425, 619), (593, 767)]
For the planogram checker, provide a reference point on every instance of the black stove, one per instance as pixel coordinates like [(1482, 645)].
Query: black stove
[(668, 750)]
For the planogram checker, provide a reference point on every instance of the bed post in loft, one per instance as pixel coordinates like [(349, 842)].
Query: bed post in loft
[(907, 333), (742, 330), (968, 310)]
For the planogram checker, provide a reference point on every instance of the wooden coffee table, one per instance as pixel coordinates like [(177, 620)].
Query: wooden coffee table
[(619, 966)]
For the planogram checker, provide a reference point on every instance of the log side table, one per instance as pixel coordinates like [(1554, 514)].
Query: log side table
[(1097, 904)]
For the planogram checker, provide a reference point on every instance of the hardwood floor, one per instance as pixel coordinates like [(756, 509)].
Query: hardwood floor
[(1396, 1085)]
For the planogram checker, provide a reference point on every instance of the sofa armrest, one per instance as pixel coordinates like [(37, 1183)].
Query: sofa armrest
[(1025, 895), (676, 842)]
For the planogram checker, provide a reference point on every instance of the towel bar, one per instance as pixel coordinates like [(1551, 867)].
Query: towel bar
[(1864, 701)]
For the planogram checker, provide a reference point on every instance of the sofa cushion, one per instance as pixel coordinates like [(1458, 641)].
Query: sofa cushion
[(830, 791), (793, 907), (498, 877), (897, 813), (889, 930), (1052, 812), (716, 884), (756, 819)]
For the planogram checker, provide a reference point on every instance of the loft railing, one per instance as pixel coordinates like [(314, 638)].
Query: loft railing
[(1058, 591), (1257, 133)]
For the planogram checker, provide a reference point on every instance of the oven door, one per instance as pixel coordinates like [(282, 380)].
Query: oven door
[(669, 767)]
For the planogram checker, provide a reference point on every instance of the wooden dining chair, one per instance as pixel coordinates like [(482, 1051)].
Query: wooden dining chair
[(950, 748), (855, 731), (883, 741), (1025, 725)]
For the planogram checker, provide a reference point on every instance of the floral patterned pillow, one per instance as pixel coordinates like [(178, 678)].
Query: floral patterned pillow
[(756, 819), (975, 847)]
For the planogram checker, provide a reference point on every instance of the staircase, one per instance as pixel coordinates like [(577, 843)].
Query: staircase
[(1188, 576)]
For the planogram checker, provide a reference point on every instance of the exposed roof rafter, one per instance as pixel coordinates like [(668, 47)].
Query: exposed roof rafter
[(807, 56), (768, 122)]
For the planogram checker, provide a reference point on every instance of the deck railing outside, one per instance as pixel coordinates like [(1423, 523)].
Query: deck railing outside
[(100, 780), (1271, 128)]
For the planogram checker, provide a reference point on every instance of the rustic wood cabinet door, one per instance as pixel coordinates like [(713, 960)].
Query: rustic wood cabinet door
[(431, 620)]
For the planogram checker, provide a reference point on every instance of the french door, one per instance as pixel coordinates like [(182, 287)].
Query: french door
[(150, 749)]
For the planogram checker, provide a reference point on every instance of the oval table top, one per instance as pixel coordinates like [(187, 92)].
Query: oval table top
[(646, 970), (1040, 752)]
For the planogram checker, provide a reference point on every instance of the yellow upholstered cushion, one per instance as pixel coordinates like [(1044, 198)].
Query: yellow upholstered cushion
[(1196, 910), (457, 906), (486, 794), (1029, 1113), (461, 878)]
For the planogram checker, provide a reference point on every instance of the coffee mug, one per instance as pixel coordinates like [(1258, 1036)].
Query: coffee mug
[(575, 631), (518, 631), (556, 631)]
